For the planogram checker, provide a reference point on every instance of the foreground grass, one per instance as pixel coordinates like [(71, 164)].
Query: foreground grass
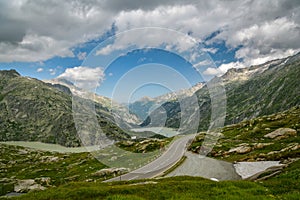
[(284, 186)]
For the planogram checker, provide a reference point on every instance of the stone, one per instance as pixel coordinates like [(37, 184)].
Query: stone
[(50, 159), (110, 171), (261, 145), (27, 185), (281, 133), (240, 149)]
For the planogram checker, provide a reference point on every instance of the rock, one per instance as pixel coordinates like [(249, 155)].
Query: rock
[(261, 145), (240, 149), (110, 171), (27, 185), (291, 147), (44, 181), (50, 159), (251, 170), (281, 133)]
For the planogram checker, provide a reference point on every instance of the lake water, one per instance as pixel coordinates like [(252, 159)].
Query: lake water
[(167, 132), (52, 147)]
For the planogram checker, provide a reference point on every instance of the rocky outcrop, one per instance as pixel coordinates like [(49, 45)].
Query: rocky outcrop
[(110, 171), (251, 170), (243, 148), (27, 185), (281, 133)]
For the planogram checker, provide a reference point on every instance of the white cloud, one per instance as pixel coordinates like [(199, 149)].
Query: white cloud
[(40, 70), (84, 77), (52, 71), (81, 55), (39, 30), (222, 69)]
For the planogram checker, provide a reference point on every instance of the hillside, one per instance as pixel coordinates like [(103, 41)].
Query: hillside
[(270, 137), (142, 108), (283, 186), (251, 92), (31, 110)]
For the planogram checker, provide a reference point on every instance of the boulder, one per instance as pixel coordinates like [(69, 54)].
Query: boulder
[(27, 185), (261, 145), (281, 133), (110, 171), (241, 149)]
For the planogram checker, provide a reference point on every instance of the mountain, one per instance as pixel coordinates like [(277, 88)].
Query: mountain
[(251, 92), (143, 107), (31, 110), (121, 113)]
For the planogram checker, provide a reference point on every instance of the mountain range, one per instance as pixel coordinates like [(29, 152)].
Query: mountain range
[(251, 92), (33, 110)]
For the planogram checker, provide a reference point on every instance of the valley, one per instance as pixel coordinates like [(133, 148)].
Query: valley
[(40, 148)]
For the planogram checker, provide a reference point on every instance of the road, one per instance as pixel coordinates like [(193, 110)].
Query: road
[(170, 157)]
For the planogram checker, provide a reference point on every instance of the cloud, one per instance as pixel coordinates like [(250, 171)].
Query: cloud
[(84, 77), (52, 71), (39, 30), (39, 70), (81, 55), (222, 69)]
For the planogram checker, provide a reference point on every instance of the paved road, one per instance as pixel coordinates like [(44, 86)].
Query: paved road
[(171, 156)]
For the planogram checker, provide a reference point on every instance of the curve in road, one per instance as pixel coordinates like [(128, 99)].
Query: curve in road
[(169, 158)]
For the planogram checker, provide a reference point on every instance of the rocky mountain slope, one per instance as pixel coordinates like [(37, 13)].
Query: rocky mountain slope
[(269, 137), (31, 110), (251, 92), (121, 113), (143, 107)]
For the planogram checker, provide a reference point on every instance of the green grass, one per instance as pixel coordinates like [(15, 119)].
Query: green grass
[(252, 132), (25, 163), (283, 186)]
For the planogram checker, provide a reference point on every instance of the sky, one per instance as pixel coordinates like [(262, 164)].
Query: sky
[(108, 46)]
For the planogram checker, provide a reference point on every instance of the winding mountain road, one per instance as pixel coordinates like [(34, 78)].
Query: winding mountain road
[(170, 157)]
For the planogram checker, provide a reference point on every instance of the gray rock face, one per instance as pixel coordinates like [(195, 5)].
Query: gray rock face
[(109, 171), (27, 185), (251, 170), (281, 133), (241, 149)]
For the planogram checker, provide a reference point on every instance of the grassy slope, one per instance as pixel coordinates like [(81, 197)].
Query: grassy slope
[(31, 110), (283, 186), (252, 132), (24, 163)]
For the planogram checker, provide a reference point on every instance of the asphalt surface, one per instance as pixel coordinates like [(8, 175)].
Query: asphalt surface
[(170, 157)]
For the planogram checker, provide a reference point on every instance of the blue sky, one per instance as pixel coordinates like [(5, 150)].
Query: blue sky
[(50, 39)]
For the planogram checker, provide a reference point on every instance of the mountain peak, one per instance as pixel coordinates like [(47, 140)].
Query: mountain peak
[(9, 73)]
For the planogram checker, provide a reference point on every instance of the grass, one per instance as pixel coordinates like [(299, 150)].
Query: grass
[(283, 186), (24, 163), (252, 132), (174, 166)]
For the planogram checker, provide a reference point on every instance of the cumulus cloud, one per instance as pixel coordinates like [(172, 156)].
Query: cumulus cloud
[(81, 55), (39, 70), (39, 30), (84, 77), (150, 37), (222, 69), (52, 71)]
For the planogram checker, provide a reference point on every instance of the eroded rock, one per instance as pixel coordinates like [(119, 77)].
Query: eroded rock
[(281, 133), (27, 185)]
